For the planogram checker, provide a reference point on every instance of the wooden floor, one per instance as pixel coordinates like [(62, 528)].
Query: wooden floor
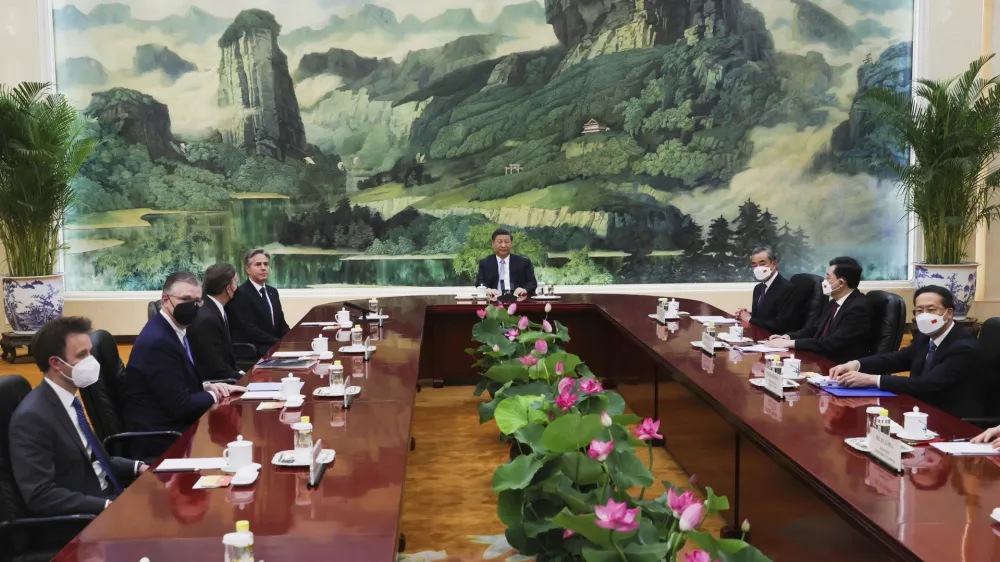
[(449, 510)]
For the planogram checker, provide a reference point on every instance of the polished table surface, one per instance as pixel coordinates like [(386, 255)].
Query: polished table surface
[(938, 509)]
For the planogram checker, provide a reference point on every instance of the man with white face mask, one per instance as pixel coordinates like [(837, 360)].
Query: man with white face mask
[(773, 305), (59, 464), (941, 360)]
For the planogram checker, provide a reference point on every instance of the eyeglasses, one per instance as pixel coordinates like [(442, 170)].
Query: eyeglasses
[(185, 299)]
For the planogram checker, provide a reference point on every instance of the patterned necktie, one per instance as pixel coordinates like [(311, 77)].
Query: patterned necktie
[(833, 312), (187, 348), (95, 447), (930, 354), (262, 295), (763, 290)]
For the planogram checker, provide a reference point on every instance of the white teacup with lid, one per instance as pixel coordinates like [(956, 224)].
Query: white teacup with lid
[(238, 453), (344, 316), (321, 344), (915, 422), (290, 386)]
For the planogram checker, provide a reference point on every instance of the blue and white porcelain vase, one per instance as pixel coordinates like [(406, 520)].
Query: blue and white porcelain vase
[(30, 302), (959, 278)]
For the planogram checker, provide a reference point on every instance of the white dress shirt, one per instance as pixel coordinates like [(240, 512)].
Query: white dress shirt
[(181, 335), (222, 309), (840, 302), (506, 272), (267, 297), (66, 398)]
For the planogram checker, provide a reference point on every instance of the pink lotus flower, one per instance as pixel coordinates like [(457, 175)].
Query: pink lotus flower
[(496, 348), (691, 517), (481, 313), (546, 327), (559, 368), (541, 346), (693, 480), (567, 534), (697, 556), (567, 400), (548, 307), (648, 430), (512, 308), (529, 360), (616, 516), (599, 450), (606, 420), (590, 386), (566, 384), (678, 504), (522, 324), (512, 334)]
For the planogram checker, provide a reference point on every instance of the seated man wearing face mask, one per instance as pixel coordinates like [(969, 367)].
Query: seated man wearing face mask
[(941, 360), (843, 332), (59, 465), (772, 307), (162, 388)]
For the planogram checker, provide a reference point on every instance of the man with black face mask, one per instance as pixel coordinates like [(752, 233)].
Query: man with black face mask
[(59, 464), (162, 388)]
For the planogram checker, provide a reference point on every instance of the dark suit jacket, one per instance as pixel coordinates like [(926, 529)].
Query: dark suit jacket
[(952, 382), (522, 273), (162, 388), (250, 318), (212, 345), (51, 466), (776, 311), (849, 336)]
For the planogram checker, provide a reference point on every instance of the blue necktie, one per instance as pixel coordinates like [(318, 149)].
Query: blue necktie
[(187, 348), (95, 446), (930, 354)]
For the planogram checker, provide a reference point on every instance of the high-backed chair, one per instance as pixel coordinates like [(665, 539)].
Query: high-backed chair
[(105, 401), (24, 538), (807, 290), (989, 369), (152, 309), (888, 318)]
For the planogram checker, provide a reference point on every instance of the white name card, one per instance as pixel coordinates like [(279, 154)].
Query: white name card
[(772, 407), (708, 364), (886, 449), (661, 314), (773, 383), (708, 343)]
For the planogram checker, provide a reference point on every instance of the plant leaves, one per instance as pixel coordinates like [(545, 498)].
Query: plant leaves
[(561, 486), (535, 528), (626, 419), (628, 471), (509, 507), (571, 432), (508, 372), (531, 435), (585, 526), (569, 361), (515, 412), (536, 388), (487, 410), (714, 503), (488, 331), (581, 469), (654, 552), (593, 404), (593, 555), (616, 404), (715, 546), (517, 538), (648, 533), (515, 475), (480, 387), (746, 554)]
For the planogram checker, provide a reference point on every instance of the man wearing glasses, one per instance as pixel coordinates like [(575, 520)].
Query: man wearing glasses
[(162, 388)]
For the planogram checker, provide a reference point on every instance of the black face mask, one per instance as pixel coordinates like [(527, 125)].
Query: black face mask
[(185, 312)]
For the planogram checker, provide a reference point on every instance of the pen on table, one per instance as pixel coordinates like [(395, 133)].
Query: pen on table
[(960, 440)]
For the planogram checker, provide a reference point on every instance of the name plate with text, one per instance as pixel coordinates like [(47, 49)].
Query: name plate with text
[(708, 343), (772, 407), (774, 384), (886, 450)]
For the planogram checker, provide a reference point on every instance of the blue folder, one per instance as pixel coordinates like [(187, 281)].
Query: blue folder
[(857, 392)]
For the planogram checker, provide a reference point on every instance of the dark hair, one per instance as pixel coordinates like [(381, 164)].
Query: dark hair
[(502, 232), (179, 277), (218, 277), (763, 249), (848, 269), (249, 256), (50, 341), (947, 299)]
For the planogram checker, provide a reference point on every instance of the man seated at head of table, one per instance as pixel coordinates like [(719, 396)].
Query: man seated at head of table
[(843, 332), (942, 360), (162, 388), (773, 305), (255, 313), (504, 272), (59, 465)]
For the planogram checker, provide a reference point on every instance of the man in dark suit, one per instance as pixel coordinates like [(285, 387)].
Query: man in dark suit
[(504, 272), (162, 388), (941, 360), (773, 305), (843, 332), (256, 315), (211, 343), (59, 464)]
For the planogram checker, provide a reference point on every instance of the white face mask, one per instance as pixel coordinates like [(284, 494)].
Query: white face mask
[(85, 373), (929, 323), (761, 272), (827, 288)]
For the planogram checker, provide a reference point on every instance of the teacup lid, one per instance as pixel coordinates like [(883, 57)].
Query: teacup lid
[(291, 376), (240, 442)]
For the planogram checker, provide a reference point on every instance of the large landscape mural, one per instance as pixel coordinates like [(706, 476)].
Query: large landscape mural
[(380, 142)]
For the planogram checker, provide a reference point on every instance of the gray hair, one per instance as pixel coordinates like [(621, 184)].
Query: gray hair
[(256, 251), (763, 249), (179, 277)]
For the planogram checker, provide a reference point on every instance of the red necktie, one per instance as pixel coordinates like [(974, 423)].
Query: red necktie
[(833, 312)]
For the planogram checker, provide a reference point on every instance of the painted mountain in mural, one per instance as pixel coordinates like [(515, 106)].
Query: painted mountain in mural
[(650, 141)]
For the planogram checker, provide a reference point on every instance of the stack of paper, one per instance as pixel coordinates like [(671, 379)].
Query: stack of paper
[(761, 348), (966, 449), (329, 323), (715, 319), (293, 354), (182, 465)]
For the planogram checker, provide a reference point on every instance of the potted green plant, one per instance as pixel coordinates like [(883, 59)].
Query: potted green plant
[(953, 128), (42, 146)]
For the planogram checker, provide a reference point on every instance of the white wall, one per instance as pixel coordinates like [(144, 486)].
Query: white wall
[(949, 34)]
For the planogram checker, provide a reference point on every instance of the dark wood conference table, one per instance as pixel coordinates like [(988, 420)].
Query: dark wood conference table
[(782, 463)]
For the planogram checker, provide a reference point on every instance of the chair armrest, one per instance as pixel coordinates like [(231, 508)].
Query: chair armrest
[(56, 530)]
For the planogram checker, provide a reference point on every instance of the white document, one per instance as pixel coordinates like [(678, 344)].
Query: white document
[(760, 348), (966, 448), (276, 395), (715, 319), (293, 354), (210, 463), (330, 323), (264, 387)]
